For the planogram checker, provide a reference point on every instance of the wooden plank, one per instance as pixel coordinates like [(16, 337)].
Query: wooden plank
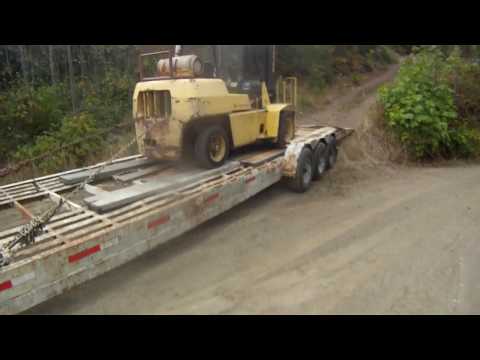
[(50, 228), (33, 190), (15, 230), (80, 222), (48, 245), (14, 189), (107, 172), (260, 157), (166, 198), (18, 194), (26, 214), (64, 216), (15, 193), (158, 201), (37, 195), (141, 173), (70, 172), (115, 199)]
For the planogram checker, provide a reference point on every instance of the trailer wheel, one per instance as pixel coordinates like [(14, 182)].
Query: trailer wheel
[(303, 178), (320, 158), (212, 147), (332, 153)]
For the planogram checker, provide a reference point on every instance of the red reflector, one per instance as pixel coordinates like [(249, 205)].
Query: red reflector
[(248, 181), (212, 198), (6, 285), (84, 254), (158, 222)]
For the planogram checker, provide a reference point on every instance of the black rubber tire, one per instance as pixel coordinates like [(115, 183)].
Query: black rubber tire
[(320, 158), (332, 153), (283, 129), (302, 181), (201, 152)]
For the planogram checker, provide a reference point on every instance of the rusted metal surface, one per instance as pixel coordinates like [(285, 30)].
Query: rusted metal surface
[(157, 141), (309, 137), (81, 244)]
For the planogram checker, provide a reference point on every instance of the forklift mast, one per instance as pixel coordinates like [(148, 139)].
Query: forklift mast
[(245, 67)]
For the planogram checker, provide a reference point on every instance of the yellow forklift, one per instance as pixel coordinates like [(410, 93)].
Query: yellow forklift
[(207, 108)]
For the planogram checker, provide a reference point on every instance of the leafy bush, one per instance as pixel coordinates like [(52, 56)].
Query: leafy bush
[(465, 142), (27, 112), (80, 128), (110, 100), (37, 120), (422, 110), (465, 78)]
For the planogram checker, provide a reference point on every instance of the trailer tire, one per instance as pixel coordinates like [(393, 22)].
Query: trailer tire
[(304, 175), (212, 147), (320, 158), (332, 153)]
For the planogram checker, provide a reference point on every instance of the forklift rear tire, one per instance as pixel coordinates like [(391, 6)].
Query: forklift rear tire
[(304, 176), (320, 157), (212, 147)]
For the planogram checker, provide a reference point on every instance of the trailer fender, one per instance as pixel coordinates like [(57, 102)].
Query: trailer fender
[(273, 118)]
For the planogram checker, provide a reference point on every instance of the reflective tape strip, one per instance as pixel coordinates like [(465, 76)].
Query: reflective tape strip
[(156, 223), (17, 281), (6, 285), (212, 198), (90, 251), (83, 254)]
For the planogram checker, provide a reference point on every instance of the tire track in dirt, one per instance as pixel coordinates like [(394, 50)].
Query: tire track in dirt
[(349, 109)]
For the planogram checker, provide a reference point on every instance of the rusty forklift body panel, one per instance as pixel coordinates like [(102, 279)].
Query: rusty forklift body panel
[(168, 106)]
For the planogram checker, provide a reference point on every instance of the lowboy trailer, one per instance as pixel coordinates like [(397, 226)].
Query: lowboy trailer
[(134, 206)]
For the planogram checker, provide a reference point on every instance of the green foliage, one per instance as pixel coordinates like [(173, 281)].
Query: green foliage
[(465, 78), (27, 112), (79, 128), (38, 119), (110, 100), (312, 62), (319, 65), (465, 142), (422, 110)]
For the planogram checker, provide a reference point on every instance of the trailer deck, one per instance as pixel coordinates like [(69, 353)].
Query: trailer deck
[(131, 210)]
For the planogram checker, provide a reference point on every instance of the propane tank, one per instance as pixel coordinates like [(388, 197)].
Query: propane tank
[(183, 66)]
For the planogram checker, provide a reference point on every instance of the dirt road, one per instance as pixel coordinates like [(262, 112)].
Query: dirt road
[(382, 240)]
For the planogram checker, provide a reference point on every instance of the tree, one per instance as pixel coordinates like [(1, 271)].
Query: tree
[(51, 61), (71, 78), (23, 61)]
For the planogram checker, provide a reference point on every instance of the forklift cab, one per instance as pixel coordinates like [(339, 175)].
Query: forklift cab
[(245, 67)]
